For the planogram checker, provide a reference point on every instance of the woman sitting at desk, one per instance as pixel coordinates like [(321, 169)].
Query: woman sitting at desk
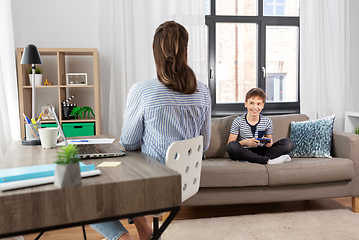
[(170, 107)]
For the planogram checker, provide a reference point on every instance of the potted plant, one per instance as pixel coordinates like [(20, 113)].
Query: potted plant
[(67, 169), (38, 76), (357, 130), (77, 111)]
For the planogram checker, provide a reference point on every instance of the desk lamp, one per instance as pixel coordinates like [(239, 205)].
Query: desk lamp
[(31, 56)]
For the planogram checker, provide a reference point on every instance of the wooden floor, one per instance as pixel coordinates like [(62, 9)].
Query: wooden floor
[(204, 212)]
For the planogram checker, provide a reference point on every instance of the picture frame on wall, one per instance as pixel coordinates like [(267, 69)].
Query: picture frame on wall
[(76, 78)]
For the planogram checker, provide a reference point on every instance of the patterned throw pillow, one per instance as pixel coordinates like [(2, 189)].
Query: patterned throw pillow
[(312, 138)]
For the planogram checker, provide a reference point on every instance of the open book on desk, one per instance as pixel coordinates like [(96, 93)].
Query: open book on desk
[(37, 171), (14, 178)]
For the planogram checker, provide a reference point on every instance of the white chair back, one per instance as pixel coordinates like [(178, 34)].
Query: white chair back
[(185, 157)]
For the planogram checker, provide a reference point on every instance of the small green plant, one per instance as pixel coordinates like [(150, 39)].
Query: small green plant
[(76, 111), (67, 155), (357, 130), (38, 70)]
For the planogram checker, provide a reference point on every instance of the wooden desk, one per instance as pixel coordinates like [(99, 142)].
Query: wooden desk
[(138, 186)]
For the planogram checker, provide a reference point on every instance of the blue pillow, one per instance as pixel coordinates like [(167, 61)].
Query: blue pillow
[(312, 138)]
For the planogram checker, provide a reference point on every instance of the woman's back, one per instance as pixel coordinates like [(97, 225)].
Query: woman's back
[(157, 116)]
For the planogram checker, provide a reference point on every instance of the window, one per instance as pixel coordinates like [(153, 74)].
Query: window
[(274, 84), (253, 43), (274, 7)]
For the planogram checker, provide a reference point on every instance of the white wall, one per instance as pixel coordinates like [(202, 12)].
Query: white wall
[(354, 51), (66, 23), (69, 23)]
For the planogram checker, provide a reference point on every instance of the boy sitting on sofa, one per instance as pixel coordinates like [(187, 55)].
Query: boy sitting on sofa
[(247, 130)]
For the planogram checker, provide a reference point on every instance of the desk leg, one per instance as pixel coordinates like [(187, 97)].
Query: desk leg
[(158, 232), (39, 236), (84, 232)]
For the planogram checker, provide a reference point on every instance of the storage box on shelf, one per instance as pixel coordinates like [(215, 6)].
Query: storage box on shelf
[(48, 125), (56, 63), (78, 129)]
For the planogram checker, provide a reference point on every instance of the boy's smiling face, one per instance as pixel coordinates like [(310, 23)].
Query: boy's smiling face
[(254, 105)]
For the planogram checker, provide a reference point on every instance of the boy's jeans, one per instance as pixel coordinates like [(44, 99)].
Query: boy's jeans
[(261, 154)]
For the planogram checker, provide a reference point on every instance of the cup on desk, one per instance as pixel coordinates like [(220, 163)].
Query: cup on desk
[(48, 137)]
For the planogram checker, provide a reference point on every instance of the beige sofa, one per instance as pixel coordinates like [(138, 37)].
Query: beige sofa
[(224, 181)]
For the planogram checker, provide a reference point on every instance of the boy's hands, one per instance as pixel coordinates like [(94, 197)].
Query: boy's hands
[(269, 144), (270, 136), (250, 142)]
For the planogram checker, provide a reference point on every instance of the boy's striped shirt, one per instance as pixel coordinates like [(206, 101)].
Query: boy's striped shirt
[(243, 129)]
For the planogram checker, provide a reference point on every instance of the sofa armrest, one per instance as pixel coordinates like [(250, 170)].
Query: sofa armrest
[(346, 145)]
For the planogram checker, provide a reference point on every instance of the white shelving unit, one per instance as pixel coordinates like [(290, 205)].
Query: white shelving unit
[(56, 63), (351, 121)]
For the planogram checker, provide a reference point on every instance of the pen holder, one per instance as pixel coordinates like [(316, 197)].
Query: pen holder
[(32, 131)]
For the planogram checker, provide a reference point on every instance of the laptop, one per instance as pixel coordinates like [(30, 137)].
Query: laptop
[(91, 150)]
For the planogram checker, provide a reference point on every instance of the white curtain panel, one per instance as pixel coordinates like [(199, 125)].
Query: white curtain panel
[(9, 106), (324, 61), (130, 46)]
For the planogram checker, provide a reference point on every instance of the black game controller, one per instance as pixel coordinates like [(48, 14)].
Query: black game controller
[(263, 140)]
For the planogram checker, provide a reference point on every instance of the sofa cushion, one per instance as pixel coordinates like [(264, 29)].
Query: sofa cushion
[(229, 173), (219, 136), (312, 138), (281, 124), (310, 170)]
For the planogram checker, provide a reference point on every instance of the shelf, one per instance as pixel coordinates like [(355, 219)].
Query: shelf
[(352, 114), (48, 121), (29, 87), (92, 119), (77, 86), (351, 121), (67, 51), (56, 63)]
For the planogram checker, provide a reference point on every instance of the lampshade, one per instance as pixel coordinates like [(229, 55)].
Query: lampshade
[(31, 55)]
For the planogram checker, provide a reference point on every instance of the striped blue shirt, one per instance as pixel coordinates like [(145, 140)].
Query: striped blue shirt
[(244, 130), (156, 116)]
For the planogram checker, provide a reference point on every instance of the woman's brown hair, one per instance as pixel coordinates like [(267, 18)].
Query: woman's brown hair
[(170, 52)]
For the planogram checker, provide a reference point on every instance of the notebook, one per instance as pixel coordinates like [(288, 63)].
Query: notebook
[(31, 172), (91, 150)]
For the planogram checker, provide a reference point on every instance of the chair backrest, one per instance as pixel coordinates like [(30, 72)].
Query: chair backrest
[(185, 157)]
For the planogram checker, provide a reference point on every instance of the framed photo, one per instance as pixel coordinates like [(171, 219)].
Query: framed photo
[(76, 78), (46, 113)]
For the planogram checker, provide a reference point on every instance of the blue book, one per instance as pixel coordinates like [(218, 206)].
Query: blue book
[(30, 172)]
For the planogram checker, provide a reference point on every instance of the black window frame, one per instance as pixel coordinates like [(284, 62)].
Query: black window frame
[(271, 108)]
